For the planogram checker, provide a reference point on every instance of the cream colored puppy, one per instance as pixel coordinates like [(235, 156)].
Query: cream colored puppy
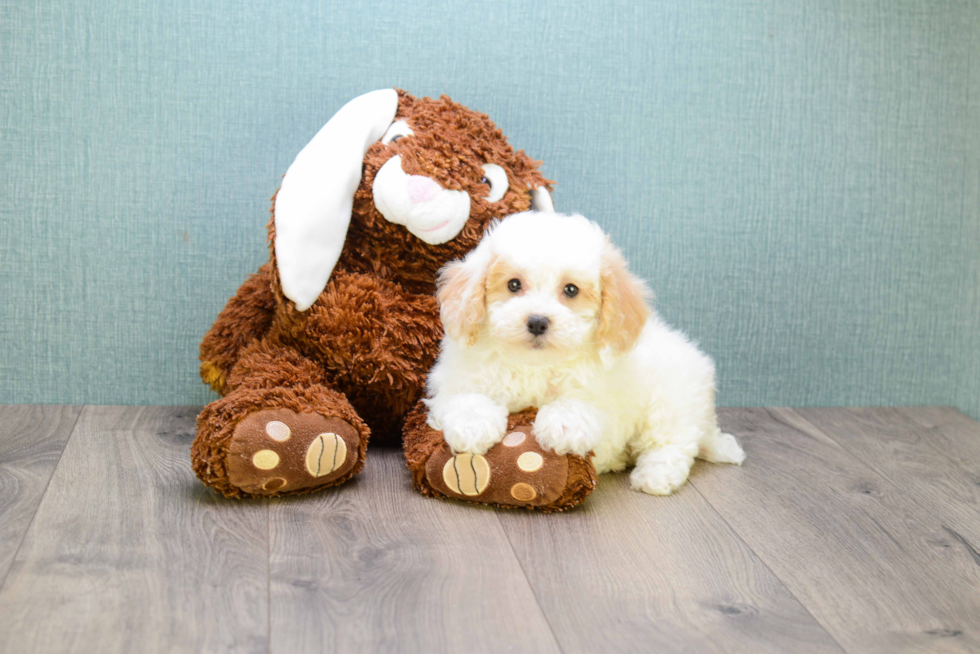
[(544, 313)]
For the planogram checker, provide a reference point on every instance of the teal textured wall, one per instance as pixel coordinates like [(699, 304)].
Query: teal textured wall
[(799, 181)]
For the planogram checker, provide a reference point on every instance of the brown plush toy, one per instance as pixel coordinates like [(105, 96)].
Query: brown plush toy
[(330, 341)]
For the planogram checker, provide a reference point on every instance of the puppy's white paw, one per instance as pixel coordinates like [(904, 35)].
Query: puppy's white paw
[(568, 426), (472, 423), (661, 471)]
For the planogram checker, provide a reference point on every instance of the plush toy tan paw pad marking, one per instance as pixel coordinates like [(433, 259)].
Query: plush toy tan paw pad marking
[(530, 461), (514, 438), (275, 451), (265, 459), (326, 453), (523, 492), (467, 474), (274, 484), (278, 431)]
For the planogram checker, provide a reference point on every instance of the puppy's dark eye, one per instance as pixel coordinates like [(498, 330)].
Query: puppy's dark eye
[(395, 138), (484, 180), (570, 290), (514, 285)]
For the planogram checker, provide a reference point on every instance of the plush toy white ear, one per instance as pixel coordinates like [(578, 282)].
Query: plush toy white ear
[(541, 200), (314, 202)]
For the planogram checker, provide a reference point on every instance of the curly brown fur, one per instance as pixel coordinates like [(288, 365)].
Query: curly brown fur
[(373, 333), (421, 441), (246, 317), (269, 364)]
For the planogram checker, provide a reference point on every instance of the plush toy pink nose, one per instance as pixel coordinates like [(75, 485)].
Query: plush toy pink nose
[(422, 189)]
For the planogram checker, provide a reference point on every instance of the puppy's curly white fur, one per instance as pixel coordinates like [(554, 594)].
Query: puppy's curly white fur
[(545, 313)]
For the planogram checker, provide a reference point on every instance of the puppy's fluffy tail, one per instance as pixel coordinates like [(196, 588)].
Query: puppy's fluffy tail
[(719, 447)]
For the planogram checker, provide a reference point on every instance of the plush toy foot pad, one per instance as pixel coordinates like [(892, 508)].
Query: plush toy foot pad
[(516, 472), (275, 451)]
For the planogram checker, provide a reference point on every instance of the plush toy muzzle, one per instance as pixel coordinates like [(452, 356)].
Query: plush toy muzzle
[(432, 213)]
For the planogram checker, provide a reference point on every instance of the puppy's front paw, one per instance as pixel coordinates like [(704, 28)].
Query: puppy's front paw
[(568, 427), (472, 423)]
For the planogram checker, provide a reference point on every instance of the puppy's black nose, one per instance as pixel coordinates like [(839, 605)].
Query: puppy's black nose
[(537, 325)]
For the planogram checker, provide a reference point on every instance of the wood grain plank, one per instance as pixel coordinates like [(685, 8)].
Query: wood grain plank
[(951, 431), (31, 441), (372, 566), (130, 553), (913, 459), (628, 572), (876, 569)]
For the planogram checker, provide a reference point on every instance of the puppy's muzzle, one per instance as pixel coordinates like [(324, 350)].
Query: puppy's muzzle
[(537, 325)]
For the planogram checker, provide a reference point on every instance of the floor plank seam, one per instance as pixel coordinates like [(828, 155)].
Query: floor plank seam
[(534, 592), (900, 490), (768, 567), (911, 422), (47, 484), (268, 576), (870, 466), (802, 426)]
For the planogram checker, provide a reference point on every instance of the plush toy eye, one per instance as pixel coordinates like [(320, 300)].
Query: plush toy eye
[(398, 129), (571, 290), (496, 177), (514, 285)]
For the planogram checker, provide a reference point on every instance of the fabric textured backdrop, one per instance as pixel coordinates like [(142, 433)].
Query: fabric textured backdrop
[(799, 181)]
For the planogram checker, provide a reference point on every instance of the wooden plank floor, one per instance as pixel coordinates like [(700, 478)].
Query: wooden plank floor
[(847, 530)]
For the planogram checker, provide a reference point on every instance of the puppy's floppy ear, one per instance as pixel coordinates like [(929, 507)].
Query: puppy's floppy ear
[(313, 206), (624, 309), (462, 293)]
